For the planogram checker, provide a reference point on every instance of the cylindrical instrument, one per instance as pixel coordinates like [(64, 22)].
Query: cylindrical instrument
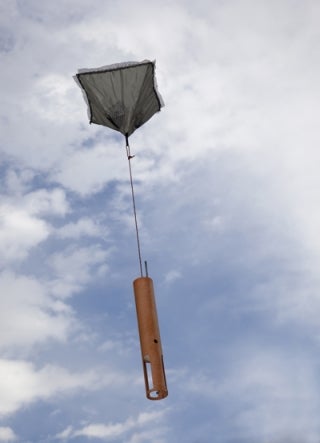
[(150, 342)]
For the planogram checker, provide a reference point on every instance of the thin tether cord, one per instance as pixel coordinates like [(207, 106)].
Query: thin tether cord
[(129, 156)]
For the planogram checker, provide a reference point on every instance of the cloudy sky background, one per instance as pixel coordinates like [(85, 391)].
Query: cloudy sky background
[(227, 189)]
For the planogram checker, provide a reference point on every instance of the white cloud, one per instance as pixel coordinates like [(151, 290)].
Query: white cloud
[(19, 233), (75, 267), (65, 434), (82, 227), (7, 434), (17, 182), (214, 223), (120, 344), (114, 430), (280, 396), (270, 393), (21, 227), (51, 100), (171, 276), (289, 299), (28, 315), (156, 435), (47, 113), (45, 202), (87, 170), (105, 431), (21, 383)]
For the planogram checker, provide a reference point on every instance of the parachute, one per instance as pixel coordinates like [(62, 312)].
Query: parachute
[(123, 97)]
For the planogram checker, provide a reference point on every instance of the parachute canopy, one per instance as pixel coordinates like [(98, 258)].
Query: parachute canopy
[(122, 96)]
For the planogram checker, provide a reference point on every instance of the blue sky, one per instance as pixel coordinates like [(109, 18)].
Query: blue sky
[(227, 190)]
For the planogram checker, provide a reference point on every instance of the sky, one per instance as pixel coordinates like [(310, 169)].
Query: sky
[(227, 193)]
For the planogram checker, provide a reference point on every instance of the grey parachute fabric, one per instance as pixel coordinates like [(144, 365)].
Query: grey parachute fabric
[(122, 96)]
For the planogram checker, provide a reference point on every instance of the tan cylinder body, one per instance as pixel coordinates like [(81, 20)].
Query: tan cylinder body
[(150, 342)]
